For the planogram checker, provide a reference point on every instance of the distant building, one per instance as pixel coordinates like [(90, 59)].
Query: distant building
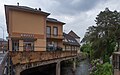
[(3, 44), (73, 34), (70, 43)]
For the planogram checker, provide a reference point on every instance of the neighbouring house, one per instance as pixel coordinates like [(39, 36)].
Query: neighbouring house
[(3, 44), (70, 43), (115, 58), (73, 34)]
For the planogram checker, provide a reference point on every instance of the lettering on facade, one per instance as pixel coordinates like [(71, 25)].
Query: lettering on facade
[(27, 35)]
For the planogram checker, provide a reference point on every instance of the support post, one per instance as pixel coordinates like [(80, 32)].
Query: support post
[(18, 69), (74, 66), (58, 68)]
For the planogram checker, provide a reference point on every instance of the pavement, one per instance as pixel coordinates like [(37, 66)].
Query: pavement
[(2, 56)]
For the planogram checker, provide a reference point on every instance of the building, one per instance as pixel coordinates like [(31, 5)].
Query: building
[(3, 44), (73, 34), (54, 34), (70, 43), (30, 33), (30, 30), (26, 28)]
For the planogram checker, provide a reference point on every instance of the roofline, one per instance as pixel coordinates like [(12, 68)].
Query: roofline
[(11, 7), (75, 34), (57, 22), (72, 37)]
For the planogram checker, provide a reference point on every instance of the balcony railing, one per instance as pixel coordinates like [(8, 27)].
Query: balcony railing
[(24, 57), (54, 36)]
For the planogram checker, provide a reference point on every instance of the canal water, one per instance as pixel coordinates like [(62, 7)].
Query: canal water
[(82, 69)]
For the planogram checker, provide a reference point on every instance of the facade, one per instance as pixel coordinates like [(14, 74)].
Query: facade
[(70, 43), (26, 28), (54, 34), (30, 30)]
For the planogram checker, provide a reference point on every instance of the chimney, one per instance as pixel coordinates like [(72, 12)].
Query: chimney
[(18, 3), (40, 9)]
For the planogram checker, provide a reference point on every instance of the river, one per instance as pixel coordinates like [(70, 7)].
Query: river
[(82, 69)]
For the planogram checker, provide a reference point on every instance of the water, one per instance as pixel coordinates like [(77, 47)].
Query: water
[(82, 69)]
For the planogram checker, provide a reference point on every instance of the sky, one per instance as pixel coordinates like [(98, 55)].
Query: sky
[(77, 14)]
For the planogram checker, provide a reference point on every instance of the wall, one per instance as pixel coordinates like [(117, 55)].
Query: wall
[(28, 23), (59, 38), (59, 25)]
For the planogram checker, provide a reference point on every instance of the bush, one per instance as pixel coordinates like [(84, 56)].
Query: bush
[(102, 69)]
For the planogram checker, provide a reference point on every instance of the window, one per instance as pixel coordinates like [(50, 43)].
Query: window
[(28, 46), (48, 30), (15, 45), (55, 31)]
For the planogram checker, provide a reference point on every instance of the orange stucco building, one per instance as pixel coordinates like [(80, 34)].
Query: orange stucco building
[(30, 30), (26, 28), (54, 34)]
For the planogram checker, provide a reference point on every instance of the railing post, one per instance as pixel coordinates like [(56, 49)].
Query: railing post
[(74, 66)]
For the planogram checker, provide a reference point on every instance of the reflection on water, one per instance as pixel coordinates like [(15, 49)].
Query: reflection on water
[(82, 69)]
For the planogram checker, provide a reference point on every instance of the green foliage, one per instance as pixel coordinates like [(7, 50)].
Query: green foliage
[(103, 37), (102, 69), (87, 49)]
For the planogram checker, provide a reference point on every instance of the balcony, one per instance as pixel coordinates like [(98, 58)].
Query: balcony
[(54, 36)]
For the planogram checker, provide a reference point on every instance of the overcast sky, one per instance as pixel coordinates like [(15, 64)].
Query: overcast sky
[(77, 14)]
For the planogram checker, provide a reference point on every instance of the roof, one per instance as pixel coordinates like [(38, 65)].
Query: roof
[(25, 8), (69, 40), (54, 20), (73, 34), (21, 8), (1, 39)]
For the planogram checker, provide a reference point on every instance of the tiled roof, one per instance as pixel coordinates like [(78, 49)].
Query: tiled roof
[(73, 34), (54, 20), (69, 40)]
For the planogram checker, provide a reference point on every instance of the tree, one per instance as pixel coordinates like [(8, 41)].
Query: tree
[(86, 48), (104, 36)]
